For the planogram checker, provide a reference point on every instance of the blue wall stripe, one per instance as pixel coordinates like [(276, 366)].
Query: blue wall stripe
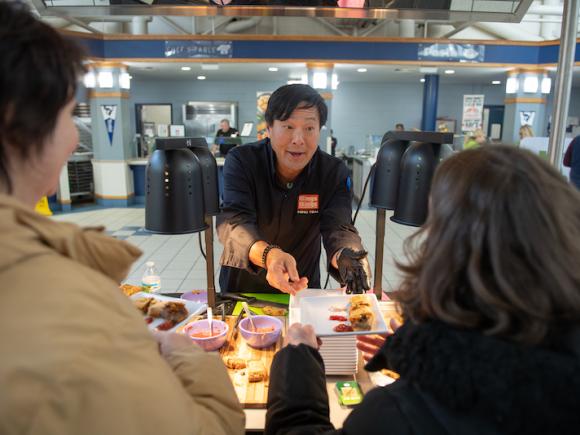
[(325, 50)]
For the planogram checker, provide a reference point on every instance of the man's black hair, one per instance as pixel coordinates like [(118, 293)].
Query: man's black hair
[(38, 77), (288, 98)]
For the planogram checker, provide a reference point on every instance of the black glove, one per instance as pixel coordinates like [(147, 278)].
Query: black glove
[(354, 270)]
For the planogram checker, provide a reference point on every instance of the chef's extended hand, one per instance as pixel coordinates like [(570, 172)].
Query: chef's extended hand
[(354, 270), (282, 273)]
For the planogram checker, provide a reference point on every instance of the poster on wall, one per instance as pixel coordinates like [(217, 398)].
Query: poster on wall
[(109, 115), (262, 99), (527, 117), (472, 113)]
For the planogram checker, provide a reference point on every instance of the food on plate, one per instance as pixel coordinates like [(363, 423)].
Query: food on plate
[(336, 308), (274, 311), (168, 310), (361, 318), (235, 363), (256, 371), (168, 324), (142, 304), (359, 301), (360, 315), (390, 373), (342, 327), (130, 290), (338, 318)]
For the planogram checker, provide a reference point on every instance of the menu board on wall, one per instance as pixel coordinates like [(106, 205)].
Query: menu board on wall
[(472, 113)]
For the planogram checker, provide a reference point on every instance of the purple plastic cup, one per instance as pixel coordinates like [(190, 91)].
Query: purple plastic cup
[(208, 343), (260, 340)]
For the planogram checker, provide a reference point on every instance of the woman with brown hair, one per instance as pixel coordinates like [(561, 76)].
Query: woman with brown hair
[(491, 301)]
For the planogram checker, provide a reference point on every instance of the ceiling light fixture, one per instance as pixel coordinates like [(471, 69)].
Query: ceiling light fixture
[(449, 71), (422, 80), (496, 82), (362, 70), (273, 69), (185, 68), (201, 77)]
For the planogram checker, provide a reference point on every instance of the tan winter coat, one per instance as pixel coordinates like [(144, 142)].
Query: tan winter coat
[(76, 357)]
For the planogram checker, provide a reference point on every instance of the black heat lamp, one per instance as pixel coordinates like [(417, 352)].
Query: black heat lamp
[(182, 194), (402, 178)]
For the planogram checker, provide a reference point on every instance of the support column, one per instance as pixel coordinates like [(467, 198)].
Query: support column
[(430, 94), (112, 145), (525, 103), (320, 78)]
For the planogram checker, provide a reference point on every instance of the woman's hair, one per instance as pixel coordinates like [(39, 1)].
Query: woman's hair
[(38, 77), (526, 131), (288, 98), (500, 249)]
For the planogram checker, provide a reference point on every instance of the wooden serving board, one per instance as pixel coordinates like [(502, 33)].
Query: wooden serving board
[(252, 395)]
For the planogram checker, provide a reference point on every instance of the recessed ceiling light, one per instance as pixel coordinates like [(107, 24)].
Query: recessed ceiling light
[(185, 68), (362, 70), (496, 82), (422, 80), (210, 66), (449, 71), (201, 77), (273, 69)]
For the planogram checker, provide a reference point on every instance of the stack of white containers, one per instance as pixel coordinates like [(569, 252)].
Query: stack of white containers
[(339, 353)]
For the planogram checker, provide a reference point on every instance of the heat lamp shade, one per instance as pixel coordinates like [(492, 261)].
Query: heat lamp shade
[(174, 200), (209, 173), (386, 174), (417, 168)]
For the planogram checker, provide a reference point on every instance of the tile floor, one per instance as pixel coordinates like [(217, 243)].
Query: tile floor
[(179, 260)]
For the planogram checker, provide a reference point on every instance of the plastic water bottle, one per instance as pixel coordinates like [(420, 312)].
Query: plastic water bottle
[(151, 281)]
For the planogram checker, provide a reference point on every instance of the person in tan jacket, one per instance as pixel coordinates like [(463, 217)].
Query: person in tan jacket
[(76, 356)]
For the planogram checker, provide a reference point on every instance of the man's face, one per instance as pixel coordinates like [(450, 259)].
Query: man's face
[(295, 140), (224, 125)]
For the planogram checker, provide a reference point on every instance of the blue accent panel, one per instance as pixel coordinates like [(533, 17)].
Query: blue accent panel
[(430, 94), (93, 47), (115, 202), (65, 207), (512, 54), (136, 49), (348, 184), (138, 179), (326, 50)]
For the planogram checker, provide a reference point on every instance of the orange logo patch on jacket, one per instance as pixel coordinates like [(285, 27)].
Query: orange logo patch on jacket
[(308, 204)]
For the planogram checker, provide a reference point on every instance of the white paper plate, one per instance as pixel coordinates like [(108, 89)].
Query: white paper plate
[(194, 308), (315, 311)]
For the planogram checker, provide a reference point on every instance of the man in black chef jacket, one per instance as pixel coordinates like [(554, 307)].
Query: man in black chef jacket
[(281, 196)]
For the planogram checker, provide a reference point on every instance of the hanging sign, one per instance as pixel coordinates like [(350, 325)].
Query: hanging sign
[(109, 116), (451, 52), (527, 117), (198, 49), (472, 113)]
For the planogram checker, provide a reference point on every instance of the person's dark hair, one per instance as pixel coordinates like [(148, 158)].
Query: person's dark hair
[(399, 125), (38, 77), (225, 120), (288, 98), (499, 251)]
